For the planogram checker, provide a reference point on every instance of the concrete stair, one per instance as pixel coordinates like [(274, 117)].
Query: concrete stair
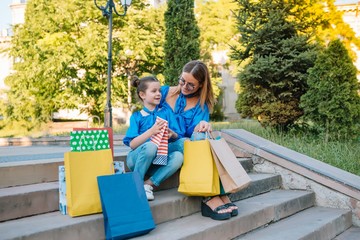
[(29, 210)]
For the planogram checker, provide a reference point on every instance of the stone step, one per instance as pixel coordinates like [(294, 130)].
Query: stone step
[(29, 172), (177, 217), (352, 233), (254, 212), (18, 173), (22, 201), (314, 223)]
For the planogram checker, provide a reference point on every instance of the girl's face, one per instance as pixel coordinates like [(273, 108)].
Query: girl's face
[(152, 95), (188, 83)]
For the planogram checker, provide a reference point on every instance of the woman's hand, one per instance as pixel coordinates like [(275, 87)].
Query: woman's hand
[(172, 134), (203, 126)]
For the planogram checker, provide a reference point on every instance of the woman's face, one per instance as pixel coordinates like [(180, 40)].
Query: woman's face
[(188, 84)]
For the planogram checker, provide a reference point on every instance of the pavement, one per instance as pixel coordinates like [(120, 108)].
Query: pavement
[(50, 148)]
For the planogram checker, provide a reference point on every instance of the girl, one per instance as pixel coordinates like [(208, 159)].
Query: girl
[(143, 125)]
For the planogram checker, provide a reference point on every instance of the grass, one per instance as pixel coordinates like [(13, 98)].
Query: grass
[(344, 155)]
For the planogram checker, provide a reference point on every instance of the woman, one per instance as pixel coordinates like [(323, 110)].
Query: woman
[(191, 102)]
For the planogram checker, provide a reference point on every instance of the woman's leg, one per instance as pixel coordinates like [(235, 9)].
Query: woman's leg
[(226, 200), (214, 208), (140, 159), (178, 145), (215, 202)]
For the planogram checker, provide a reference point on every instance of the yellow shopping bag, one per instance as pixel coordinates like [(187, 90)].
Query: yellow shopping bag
[(198, 175), (81, 172)]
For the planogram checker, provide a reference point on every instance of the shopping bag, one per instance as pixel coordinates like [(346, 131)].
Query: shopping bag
[(119, 168), (81, 171), (125, 207), (232, 175), (198, 174), (110, 135), (161, 140), (89, 140), (62, 191)]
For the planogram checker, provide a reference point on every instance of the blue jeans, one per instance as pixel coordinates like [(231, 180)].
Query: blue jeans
[(140, 160)]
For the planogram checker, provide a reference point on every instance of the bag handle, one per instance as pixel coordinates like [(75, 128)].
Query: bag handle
[(91, 117), (94, 141), (208, 135), (215, 138)]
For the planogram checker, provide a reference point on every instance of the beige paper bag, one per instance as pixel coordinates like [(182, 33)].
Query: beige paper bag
[(233, 176)]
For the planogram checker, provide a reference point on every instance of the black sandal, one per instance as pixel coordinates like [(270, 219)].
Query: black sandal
[(234, 211), (206, 211)]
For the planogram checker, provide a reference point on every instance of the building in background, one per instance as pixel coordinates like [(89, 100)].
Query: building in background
[(17, 17)]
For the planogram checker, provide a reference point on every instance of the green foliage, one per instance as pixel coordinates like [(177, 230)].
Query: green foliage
[(140, 50), (217, 26), (332, 102), (217, 113), (181, 38), (61, 56), (337, 28), (278, 54)]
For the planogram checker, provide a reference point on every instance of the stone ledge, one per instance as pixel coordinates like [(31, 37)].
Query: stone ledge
[(51, 140), (333, 187), (273, 152)]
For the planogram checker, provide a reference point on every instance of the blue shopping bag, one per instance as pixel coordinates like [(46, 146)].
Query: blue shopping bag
[(125, 207)]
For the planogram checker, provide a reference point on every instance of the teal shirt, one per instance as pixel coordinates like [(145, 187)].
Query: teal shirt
[(186, 121), (140, 124)]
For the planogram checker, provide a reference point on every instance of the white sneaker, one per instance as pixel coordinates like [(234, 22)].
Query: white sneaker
[(149, 192)]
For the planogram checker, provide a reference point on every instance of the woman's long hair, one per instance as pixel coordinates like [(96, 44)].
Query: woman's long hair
[(200, 72)]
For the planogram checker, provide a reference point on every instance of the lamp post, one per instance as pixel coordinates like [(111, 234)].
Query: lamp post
[(107, 12)]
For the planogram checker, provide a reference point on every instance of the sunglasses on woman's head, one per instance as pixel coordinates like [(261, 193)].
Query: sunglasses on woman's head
[(189, 86)]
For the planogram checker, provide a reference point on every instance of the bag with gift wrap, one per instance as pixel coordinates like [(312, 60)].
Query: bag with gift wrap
[(198, 175), (125, 207), (81, 171), (110, 137), (232, 175), (89, 140), (62, 191)]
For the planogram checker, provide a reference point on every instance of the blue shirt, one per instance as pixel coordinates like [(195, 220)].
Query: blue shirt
[(140, 124), (186, 120)]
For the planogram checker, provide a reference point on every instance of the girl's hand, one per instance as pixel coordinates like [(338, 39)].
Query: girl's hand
[(203, 126), (156, 128)]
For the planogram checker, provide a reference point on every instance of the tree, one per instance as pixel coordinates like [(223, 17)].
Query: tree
[(276, 50), (217, 26), (61, 57), (332, 102), (181, 38), (141, 51)]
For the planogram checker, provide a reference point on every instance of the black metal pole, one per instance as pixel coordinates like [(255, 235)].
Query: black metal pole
[(108, 12), (108, 108)]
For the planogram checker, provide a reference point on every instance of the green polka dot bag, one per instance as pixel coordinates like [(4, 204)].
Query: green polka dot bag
[(89, 140)]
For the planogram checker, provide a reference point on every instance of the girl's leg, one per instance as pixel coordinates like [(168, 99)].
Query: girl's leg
[(160, 173), (140, 159)]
